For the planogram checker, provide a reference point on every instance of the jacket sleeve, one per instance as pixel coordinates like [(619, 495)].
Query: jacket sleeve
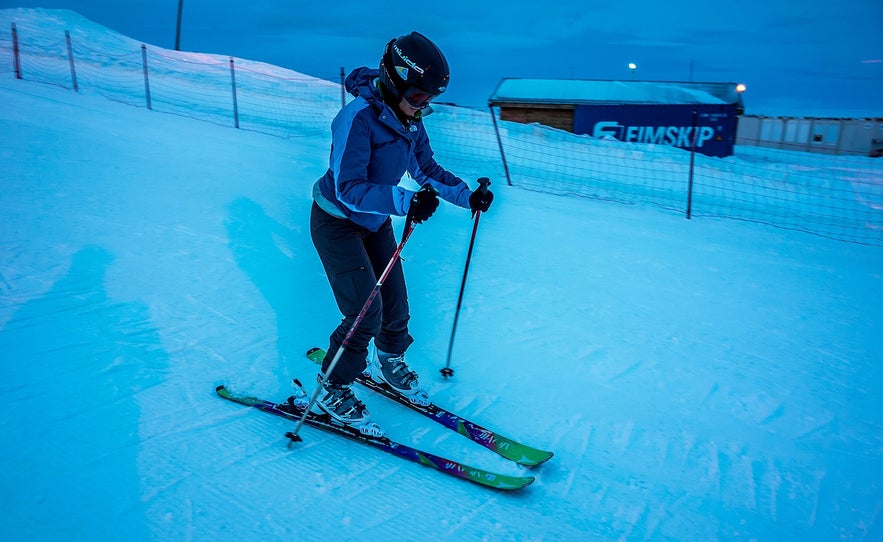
[(424, 169), (350, 154)]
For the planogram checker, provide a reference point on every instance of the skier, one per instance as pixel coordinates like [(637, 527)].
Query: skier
[(376, 138)]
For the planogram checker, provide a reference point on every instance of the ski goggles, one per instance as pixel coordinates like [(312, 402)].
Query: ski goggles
[(418, 99)]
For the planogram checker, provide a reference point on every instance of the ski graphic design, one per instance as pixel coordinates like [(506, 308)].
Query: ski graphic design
[(292, 409), (504, 446)]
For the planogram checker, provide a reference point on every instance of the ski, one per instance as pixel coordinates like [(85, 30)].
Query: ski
[(292, 410), (504, 446)]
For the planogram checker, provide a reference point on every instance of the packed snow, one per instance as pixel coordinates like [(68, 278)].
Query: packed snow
[(697, 380)]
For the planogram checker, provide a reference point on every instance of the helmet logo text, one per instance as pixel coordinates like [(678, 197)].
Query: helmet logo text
[(407, 61)]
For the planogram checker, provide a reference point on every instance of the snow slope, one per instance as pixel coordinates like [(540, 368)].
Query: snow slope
[(697, 380)]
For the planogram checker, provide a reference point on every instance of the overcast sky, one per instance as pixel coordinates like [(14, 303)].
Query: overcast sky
[(793, 56)]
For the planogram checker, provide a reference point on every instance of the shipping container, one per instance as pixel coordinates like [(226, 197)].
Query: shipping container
[(711, 128), (651, 112)]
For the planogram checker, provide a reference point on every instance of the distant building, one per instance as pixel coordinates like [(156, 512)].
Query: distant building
[(631, 111), (847, 136)]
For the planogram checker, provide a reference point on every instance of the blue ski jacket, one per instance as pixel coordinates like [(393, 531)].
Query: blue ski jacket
[(371, 150)]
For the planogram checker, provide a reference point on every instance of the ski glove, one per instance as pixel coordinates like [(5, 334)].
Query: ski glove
[(481, 199), (423, 204)]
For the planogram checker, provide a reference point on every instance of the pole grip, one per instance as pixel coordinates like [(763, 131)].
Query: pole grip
[(483, 183)]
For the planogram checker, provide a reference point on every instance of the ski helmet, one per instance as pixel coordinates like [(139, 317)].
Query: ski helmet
[(414, 68)]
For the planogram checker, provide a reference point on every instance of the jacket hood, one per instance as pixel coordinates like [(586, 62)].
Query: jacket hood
[(360, 82)]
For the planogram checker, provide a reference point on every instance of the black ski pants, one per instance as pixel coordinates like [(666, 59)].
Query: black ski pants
[(354, 257)]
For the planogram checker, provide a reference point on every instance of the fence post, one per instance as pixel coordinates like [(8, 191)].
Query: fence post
[(16, 61), (178, 27), (692, 161), (235, 101), (500, 144), (342, 89), (70, 56), (146, 78)]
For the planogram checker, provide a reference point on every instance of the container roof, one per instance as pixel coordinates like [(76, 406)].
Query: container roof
[(583, 91)]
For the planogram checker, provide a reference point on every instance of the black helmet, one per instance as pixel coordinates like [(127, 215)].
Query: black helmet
[(414, 68)]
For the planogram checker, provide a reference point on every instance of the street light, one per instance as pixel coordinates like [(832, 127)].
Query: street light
[(633, 67)]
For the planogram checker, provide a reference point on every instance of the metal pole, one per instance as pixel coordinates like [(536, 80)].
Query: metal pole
[(70, 56), (500, 144), (178, 30), (447, 371), (16, 61), (235, 101), (409, 228), (293, 435), (342, 88), (146, 78), (692, 160)]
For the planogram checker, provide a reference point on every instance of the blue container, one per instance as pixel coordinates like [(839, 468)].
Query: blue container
[(662, 125)]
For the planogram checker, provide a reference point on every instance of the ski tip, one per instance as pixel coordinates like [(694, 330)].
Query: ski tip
[(525, 455), (515, 484), (316, 354), (536, 459), (540, 459), (221, 387)]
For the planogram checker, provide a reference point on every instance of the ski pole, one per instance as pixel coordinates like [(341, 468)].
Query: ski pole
[(409, 228), (447, 371)]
